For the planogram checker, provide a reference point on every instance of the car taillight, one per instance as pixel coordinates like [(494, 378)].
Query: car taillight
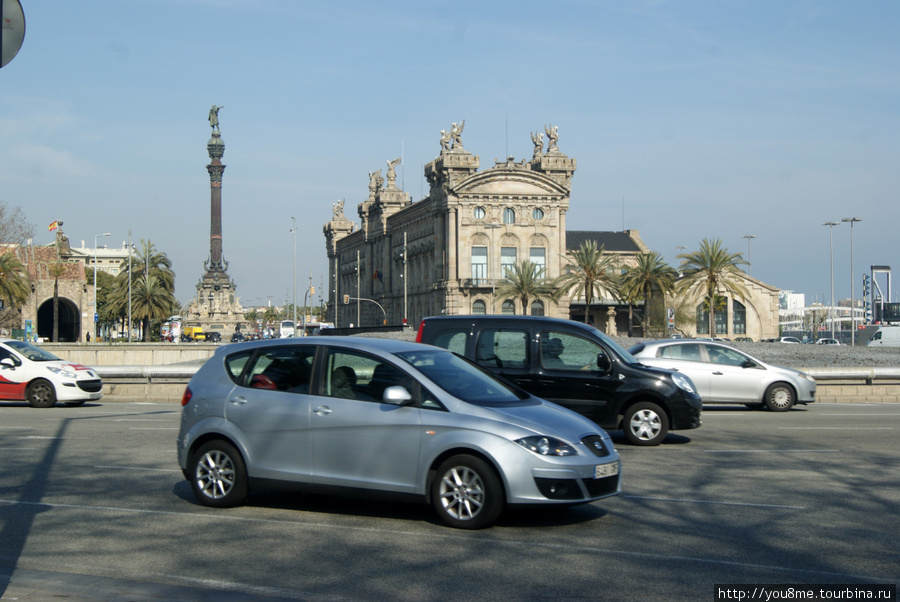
[(186, 398)]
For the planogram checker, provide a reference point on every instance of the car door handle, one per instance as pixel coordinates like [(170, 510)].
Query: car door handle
[(718, 373), (322, 410), (238, 401)]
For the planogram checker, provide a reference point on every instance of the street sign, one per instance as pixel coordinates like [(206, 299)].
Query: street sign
[(96, 317), (12, 30)]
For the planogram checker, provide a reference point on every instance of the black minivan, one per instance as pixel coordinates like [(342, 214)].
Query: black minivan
[(575, 366)]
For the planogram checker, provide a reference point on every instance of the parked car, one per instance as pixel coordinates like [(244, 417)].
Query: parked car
[(828, 342), (724, 374), (384, 416), (213, 337), (576, 366), (743, 340), (29, 373), (792, 340)]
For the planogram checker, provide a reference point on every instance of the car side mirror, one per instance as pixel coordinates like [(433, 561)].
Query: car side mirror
[(748, 364), (603, 363), (8, 363), (397, 396)]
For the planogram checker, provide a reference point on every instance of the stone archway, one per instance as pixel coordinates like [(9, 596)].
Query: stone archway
[(69, 321)]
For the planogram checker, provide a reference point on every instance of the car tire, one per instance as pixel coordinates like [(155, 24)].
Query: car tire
[(466, 493), (780, 397), (40, 394), (645, 423), (218, 475)]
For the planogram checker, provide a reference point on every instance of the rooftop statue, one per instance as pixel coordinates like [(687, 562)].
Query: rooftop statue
[(538, 139), (552, 137), (456, 133), (337, 209), (445, 140), (391, 173)]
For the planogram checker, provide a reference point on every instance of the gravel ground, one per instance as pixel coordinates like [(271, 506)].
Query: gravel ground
[(780, 354)]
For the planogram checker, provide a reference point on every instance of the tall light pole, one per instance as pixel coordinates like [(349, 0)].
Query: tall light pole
[(294, 232), (749, 237), (96, 312), (831, 226), (852, 220)]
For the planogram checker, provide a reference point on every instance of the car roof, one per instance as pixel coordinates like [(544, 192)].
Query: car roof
[(361, 343), (508, 318)]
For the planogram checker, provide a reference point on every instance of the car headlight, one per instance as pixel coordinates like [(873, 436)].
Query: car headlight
[(547, 446), (62, 372), (683, 382)]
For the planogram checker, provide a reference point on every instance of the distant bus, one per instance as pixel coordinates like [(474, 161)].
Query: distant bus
[(287, 329)]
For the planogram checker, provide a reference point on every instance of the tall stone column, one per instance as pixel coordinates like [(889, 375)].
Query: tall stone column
[(216, 168)]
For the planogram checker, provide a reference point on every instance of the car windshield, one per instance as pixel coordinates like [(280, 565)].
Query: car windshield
[(461, 378), (35, 354)]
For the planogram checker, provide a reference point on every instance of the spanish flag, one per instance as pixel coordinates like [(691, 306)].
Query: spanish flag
[(53, 226)]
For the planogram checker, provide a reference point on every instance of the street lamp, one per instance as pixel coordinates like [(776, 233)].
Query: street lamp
[(852, 220), (831, 226), (294, 232), (749, 237), (96, 313)]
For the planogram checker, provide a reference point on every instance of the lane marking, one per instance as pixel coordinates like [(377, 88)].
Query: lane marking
[(139, 468), (667, 499), (835, 428), (773, 451)]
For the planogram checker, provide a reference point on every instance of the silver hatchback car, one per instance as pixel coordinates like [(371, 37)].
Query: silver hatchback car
[(349, 414), (722, 374)]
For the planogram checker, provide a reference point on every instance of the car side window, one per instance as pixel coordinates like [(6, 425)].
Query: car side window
[(281, 369), (358, 376), (688, 353), (724, 357), (7, 355), (452, 340), (501, 348), (235, 364), (563, 351)]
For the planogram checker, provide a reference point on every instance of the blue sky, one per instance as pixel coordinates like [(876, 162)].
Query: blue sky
[(688, 120)]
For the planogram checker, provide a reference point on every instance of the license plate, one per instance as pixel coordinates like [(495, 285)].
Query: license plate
[(606, 470)]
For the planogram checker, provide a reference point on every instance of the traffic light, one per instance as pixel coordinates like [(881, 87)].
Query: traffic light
[(312, 290), (346, 299)]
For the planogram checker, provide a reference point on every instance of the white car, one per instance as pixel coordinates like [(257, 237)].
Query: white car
[(723, 374), (29, 373)]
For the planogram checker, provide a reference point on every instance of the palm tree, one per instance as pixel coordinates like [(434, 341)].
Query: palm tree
[(712, 270), (56, 270), (14, 287), (524, 281), (149, 262), (591, 271), (649, 274), (151, 300)]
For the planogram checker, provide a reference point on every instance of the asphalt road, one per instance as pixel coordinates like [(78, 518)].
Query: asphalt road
[(93, 506)]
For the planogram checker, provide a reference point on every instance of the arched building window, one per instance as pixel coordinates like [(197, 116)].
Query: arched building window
[(479, 307), (739, 316), (537, 308), (509, 307), (509, 216)]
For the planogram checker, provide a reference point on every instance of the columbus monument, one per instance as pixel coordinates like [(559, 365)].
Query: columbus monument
[(216, 307)]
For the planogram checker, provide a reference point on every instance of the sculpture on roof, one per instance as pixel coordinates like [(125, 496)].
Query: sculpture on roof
[(552, 137), (538, 139), (456, 133), (337, 209), (445, 140), (391, 173)]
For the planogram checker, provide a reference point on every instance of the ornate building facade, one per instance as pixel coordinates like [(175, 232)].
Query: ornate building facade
[(448, 252)]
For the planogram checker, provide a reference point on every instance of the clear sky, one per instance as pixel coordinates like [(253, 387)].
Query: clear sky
[(718, 119)]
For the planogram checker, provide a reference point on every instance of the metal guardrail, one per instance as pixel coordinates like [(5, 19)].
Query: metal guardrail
[(185, 372)]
